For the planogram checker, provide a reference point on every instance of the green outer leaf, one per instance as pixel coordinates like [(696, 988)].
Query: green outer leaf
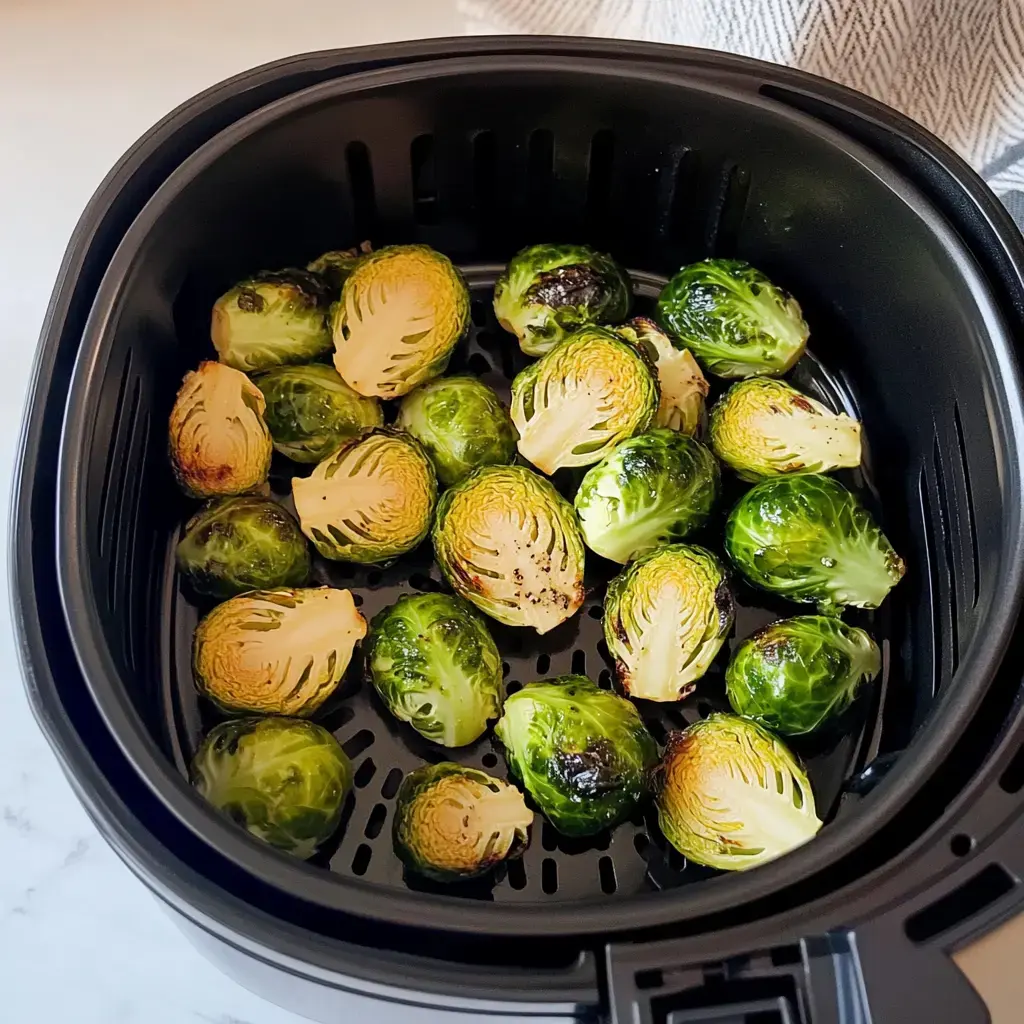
[(284, 780), (583, 753), (435, 666), (794, 674), (734, 320), (808, 539), (731, 796), (548, 291), (653, 489), (461, 423)]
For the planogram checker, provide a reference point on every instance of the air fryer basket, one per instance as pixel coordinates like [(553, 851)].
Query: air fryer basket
[(477, 160)]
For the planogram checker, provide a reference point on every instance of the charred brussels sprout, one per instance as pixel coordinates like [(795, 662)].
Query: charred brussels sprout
[(792, 675), (283, 780), (683, 387), (335, 266), (453, 823), (507, 541), (652, 490), (276, 652), (233, 545), (734, 320), (549, 291), (369, 502), (436, 667), (274, 318), (576, 403), (402, 310), (665, 619), (583, 753), (808, 539), (311, 410), (763, 427), (731, 796), (461, 423), (219, 442)]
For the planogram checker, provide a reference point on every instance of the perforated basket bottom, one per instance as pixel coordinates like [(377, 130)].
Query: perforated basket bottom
[(633, 857)]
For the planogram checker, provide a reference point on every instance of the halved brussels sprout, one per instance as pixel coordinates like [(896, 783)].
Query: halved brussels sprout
[(232, 545), (335, 266), (763, 427), (549, 291), (734, 320), (683, 387), (369, 502), (665, 619), (586, 395), (311, 410), (808, 539), (461, 423), (731, 796), (583, 753), (402, 310), (276, 652), (219, 443), (274, 318), (284, 780), (507, 541), (453, 823), (436, 667), (792, 675), (652, 490)]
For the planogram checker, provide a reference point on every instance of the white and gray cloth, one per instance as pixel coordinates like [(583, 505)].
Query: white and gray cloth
[(955, 66)]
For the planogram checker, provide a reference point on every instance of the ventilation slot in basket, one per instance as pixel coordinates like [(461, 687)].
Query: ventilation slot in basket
[(424, 179), (934, 595), (727, 213), (945, 527), (969, 502), (683, 197), (364, 199)]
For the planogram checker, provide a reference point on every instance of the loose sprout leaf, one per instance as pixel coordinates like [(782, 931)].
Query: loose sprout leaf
[(276, 652), (219, 443), (282, 779), (548, 291), (793, 675), (509, 543), (665, 618), (369, 502), (435, 666), (733, 318), (808, 539), (587, 394), (453, 823), (731, 796), (762, 427)]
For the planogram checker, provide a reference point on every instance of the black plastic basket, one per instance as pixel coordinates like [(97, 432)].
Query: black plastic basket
[(955, 514)]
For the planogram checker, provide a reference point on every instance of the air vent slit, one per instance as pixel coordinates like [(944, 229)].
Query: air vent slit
[(424, 179), (113, 457), (728, 211), (946, 527), (684, 190), (933, 582), (127, 497), (971, 522), (364, 198)]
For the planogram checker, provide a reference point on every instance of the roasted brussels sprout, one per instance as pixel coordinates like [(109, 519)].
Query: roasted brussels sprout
[(652, 490), (402, 310), (274, 318), (731, 796), (549, 291), (311, 410), (807, 538), (792, 675), (576, 403), (276, 652), (453, 823), (461, 423), (284, 780), (369, 502), (583, 753), (507, 541), (232, 545), (763, 427), (665, 618), (219, 443), (683, 387), (734, 320), (436, 667), (335, 266)]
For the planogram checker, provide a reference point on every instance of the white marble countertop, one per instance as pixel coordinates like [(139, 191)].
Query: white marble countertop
[(80, 938)]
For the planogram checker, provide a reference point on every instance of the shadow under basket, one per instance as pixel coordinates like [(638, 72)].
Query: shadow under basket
[(477, 158)]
